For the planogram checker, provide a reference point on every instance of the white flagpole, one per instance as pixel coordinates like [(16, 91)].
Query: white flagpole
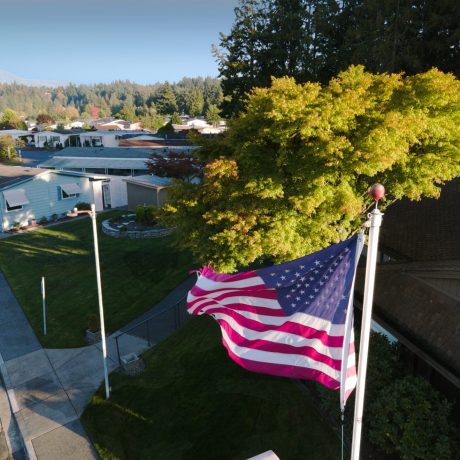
[(375, 221)]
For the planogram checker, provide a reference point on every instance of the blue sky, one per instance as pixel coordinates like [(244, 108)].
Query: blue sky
[(89, 41)]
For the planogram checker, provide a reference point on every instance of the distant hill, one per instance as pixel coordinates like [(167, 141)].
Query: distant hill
[(8, 77)]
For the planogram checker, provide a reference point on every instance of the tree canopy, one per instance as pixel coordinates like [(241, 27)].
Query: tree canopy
[(312, 40), (11, 120), (292, 173)]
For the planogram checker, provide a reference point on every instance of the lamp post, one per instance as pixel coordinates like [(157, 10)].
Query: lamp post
[(92, 213)]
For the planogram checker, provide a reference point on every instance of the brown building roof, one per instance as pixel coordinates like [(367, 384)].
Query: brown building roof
[(425, 314), (425, 230)]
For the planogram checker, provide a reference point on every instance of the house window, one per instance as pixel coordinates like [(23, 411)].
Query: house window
[(96, 141), (69, 191), (118, 172), (15, 199)]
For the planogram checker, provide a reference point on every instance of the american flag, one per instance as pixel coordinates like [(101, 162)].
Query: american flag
[(293, 320)]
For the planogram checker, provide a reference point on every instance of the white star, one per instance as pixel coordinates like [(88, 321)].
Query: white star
[(283, 277), (306, 285), (302, 292), (311, 278), (317, 262), (303, 278), (278, 284), (311, 296), (307, 302), (321, 283), (298, 285), (297, 298), (316, 290), (288, 295), (340, 257), (326, 277), (297, 274), (316, 271), (302, 267), (272, 274), (287, 270), (293, 305)]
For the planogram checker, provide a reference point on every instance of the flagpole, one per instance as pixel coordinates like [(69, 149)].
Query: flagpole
[(375, 221)]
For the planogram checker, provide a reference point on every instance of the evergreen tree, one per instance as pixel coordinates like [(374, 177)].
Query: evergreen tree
[(239, 56), (176, 119), (213, 114), (165, 102)]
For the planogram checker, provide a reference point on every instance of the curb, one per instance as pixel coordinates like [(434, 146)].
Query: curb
[(13, 435)]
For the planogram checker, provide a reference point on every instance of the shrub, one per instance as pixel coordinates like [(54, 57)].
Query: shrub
[(82, 206), (54, 217), (411, 419), (140, 213), (151, 214), (43, 220)]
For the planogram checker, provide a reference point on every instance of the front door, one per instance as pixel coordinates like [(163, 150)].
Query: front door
[(107, 203)]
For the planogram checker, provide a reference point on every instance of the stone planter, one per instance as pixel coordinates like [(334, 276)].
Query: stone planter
[(132, 364), (93, 337)]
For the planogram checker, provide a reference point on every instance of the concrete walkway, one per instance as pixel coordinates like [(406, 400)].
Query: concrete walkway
[(46, 390)]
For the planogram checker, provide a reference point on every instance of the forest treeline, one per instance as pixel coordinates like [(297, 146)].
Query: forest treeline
[(131, 101), (313, 40)]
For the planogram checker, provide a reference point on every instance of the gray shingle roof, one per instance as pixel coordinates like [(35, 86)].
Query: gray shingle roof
[(103, 152), (10, 175)]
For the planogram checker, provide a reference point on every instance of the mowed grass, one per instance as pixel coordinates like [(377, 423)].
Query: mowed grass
[(135, 275), (193, 402)]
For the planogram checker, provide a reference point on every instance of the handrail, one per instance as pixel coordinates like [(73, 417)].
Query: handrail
[(146, 322), (154, 315)]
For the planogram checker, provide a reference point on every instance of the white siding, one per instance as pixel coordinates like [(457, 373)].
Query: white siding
[(45, 200)]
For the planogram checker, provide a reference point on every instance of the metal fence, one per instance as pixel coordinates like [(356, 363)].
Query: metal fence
[(152, 330)]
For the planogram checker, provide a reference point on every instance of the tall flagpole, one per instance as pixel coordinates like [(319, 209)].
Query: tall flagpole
[(375, 221)]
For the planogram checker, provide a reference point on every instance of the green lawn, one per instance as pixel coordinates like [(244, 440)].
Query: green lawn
[(135, 275), (193, 402)]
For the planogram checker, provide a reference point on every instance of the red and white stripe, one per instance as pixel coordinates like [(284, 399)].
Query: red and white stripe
[(260, 337)]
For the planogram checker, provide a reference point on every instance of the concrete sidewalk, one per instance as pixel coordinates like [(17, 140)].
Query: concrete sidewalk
[(48, 389)]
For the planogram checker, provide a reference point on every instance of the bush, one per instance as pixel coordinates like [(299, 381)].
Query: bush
[(410, 418), (140, 213), (43, 220), (150, 215), (82, 206), (54, 217)]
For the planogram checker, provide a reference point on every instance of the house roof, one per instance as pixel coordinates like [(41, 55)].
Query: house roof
[(102, 152), (17, 132), (420, 295), (10, 175), (428, 316), (426, 230), (115, 132), (149, 180), (100, 163)]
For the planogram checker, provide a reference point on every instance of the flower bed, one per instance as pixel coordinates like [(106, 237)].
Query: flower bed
[(129, 228)]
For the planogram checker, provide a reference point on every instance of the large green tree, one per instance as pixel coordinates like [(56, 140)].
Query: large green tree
[(10, 120), (292, 173), (7, 150)]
